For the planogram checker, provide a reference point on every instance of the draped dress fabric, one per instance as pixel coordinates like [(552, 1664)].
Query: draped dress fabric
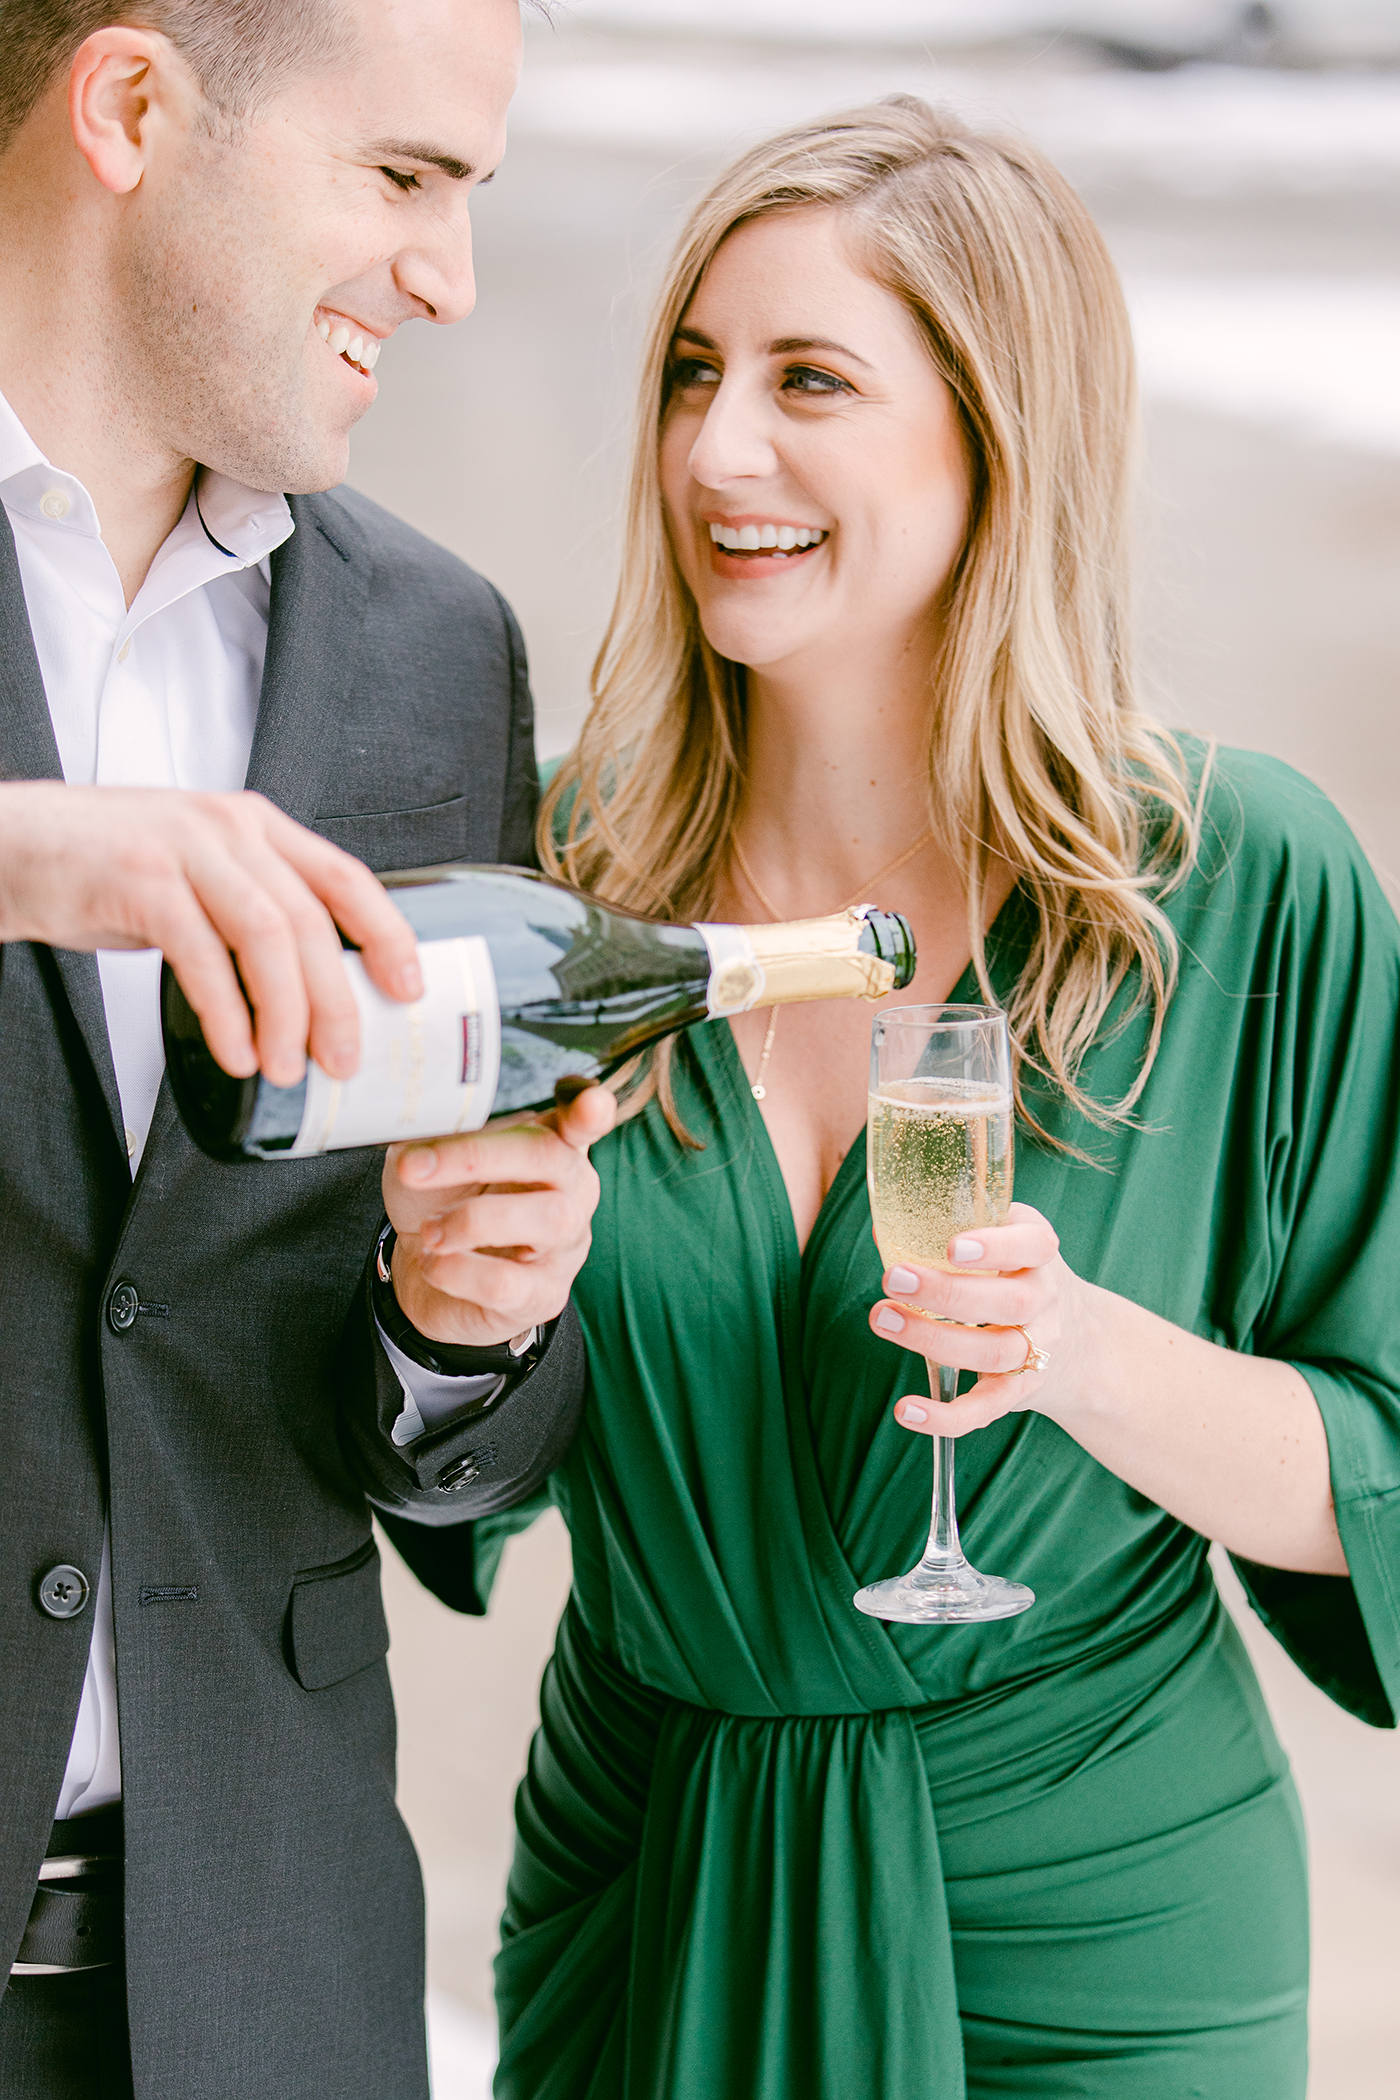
[(770, 1849)]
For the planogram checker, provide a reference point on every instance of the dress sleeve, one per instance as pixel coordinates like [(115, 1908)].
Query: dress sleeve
[(1333, 1173)]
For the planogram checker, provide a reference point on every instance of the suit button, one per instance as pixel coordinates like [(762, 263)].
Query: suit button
[(123, 1306), (63, 1592)]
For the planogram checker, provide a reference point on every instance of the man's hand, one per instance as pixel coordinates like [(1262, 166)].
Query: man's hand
[(493, 1228), (196, 876)]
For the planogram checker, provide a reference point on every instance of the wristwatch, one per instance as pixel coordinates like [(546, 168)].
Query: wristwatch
[(513, 1360)]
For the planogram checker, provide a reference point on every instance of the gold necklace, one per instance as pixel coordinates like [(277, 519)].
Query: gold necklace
[(758, 1089)]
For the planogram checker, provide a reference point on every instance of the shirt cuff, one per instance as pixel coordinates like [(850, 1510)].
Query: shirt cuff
[(431, 1398)]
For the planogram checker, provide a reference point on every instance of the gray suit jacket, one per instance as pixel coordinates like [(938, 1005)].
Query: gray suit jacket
[(274, 1908)]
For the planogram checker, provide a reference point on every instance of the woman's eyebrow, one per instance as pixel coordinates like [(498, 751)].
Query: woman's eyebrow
[(785, 345), (782, 346)]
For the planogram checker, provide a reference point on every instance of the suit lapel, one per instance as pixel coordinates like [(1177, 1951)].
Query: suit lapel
[(320, 585), (28, 752)]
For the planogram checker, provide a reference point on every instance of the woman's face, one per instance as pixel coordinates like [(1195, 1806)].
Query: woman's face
[(813, 470)]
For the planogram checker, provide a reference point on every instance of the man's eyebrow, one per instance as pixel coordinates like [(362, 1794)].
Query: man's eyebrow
[(427, 156)]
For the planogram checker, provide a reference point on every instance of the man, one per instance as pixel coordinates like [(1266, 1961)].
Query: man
[(212, 215)]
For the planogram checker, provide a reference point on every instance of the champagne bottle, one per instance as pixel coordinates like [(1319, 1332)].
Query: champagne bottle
[(525, 982)]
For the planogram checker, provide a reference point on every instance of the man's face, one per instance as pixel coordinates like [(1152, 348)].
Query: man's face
[(250, 267)]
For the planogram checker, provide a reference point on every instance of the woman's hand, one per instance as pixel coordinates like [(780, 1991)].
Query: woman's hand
[(1232, 1444), (1018, 1280)]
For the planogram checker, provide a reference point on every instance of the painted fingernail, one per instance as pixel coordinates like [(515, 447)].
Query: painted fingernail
[(420, 1164), (889, 1321), (408, 981), (903, 1282), (910, 1411), (967, 1250)]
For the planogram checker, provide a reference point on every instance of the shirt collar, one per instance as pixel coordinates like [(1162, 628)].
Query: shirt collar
[(244, 525)]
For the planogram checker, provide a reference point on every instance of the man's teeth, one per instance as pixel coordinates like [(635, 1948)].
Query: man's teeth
[(362, 350), (748, 539)]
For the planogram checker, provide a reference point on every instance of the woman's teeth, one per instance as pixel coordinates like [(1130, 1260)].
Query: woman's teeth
[(753, 539), (361, 350)]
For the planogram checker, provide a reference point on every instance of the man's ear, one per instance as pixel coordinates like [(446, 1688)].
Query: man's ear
[(126, 86)]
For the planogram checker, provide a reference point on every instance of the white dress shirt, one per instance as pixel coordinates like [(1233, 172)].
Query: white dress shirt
[(163, 693)]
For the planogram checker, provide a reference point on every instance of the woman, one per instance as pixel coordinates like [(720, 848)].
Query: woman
[(871, 641)]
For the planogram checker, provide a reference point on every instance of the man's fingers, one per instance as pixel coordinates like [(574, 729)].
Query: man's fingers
[(469, 1288), (359, 905), (525, 1152), (582, 1117), (333, 1020), (205, 973), (540, 1221)]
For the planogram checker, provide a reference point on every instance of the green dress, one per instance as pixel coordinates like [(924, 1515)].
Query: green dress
[(769, 1849)]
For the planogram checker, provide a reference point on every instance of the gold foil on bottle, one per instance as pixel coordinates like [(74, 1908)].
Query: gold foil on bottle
[(818, 959), (735, 987)]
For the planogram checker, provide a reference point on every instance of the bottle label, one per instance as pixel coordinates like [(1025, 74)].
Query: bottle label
[(426, 1070), (736, 975)]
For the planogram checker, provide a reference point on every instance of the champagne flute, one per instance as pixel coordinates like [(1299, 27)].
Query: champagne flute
[(938, 1163)]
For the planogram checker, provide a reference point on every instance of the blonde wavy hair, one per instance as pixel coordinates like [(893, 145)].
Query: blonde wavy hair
[(1038, 752)]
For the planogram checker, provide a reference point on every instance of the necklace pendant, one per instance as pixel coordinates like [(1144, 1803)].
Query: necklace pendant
[(760, 1093)]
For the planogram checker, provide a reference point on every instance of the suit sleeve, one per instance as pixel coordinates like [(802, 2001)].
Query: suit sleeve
[(489, 1458), (474, 1465), (522, 784)]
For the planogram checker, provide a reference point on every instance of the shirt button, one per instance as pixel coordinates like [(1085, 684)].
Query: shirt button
[(63, 1591), (130, 1144), (125, 650), (55, 503), (122, 1307)]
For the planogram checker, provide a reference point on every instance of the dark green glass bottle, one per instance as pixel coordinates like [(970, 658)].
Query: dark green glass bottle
[(527, 983)]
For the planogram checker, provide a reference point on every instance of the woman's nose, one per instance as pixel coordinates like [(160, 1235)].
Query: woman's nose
[(734, 443)]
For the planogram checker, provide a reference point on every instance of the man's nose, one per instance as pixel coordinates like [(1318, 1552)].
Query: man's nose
[(735, 441), (437, 273)]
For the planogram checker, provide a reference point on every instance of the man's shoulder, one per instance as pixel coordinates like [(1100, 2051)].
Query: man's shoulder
[(416, 570)]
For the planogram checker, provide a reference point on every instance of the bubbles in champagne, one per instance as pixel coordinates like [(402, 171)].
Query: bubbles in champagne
[(938, 1161)]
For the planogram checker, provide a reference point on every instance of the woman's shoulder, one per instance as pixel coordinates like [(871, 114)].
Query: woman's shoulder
[(1268, 832), (548, 768)]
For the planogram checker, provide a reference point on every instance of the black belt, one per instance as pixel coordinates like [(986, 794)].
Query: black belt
[(76, 1918)]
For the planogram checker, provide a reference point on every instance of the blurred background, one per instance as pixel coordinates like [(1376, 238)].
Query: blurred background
[(1244, 164)]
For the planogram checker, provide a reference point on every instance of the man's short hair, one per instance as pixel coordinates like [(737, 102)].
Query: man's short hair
[(241, 51)]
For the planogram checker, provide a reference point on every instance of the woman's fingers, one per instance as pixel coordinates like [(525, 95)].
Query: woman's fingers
[(990, 1351), (986, 1321), (987, 1402), (1006, 1285)]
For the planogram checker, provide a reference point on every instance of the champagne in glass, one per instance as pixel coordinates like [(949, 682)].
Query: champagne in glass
[(938, 1163)]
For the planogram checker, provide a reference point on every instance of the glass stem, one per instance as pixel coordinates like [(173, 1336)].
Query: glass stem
[(944, 1547)]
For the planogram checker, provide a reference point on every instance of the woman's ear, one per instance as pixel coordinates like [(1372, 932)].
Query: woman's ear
[(124, 87)]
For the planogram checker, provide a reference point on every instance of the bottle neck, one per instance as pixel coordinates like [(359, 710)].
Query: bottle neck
[(800, 959)]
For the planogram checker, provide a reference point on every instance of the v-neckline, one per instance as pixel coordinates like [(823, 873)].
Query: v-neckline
[(966, 990)]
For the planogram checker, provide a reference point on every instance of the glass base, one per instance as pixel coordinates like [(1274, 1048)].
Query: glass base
[(946, 1593)]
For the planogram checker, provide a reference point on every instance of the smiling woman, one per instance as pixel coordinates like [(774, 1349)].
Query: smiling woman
[(871, 640)]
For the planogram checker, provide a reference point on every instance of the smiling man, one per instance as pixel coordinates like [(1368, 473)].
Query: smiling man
[(213, 215)]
